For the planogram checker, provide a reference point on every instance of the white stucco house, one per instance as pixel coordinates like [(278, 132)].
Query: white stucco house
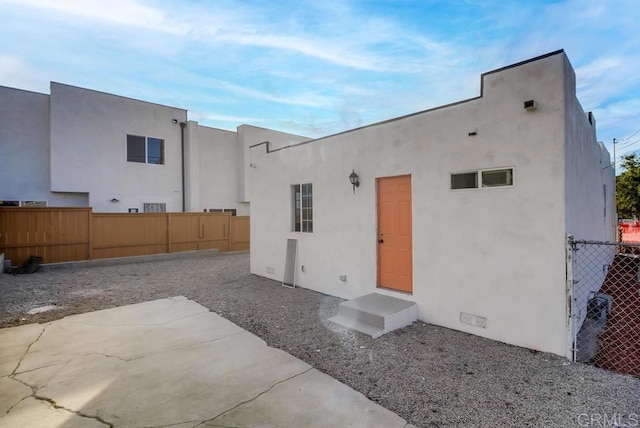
[(79, 147), (463, 209)]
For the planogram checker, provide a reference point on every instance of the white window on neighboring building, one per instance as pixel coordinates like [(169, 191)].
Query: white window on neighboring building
[(302, 204), (23, 203), (154, 207), (233, 211), (488, 178), (145, 149), (33, 203)]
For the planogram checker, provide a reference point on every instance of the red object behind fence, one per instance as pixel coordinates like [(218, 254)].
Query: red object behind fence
[(630, 231)]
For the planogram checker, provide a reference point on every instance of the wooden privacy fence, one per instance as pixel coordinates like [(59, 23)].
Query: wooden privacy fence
[(70, 234)]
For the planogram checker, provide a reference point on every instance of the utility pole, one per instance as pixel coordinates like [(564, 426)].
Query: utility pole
[(614, 158)]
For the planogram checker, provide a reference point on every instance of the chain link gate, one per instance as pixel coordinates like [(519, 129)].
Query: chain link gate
[(603, 281)]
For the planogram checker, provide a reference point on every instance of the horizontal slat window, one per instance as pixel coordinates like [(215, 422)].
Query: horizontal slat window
[(497, 177), (467, 180)]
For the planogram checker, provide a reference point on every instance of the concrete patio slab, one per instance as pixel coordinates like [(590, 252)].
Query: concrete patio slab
[(311, 399), (12, 392), (166, 362), (15, 342), (38, 413)]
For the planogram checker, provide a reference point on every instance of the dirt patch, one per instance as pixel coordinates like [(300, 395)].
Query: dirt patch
[(429, 375), (620, 342), (41, 309)]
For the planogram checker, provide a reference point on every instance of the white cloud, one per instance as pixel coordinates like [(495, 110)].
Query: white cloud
[(199, 116), (348, 62), (607, 78), (329, 52), (331, 32), (301, 99), (15, 73), (121, 12), (621, 116)]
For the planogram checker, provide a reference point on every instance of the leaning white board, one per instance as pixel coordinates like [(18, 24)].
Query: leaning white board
[(290, 261)]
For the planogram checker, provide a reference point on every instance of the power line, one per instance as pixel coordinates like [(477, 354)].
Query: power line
[(622, 157), (632, 135), (629, 144)]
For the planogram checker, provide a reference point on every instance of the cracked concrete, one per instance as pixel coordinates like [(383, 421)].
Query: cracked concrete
[(166, 363)]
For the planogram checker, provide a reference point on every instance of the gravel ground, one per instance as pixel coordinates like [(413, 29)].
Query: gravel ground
[(429, 375)]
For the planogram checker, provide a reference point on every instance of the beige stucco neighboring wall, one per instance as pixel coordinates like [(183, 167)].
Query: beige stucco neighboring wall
[(24, 149), (88, 137), (498, 253), (218, 180), (70, 148)]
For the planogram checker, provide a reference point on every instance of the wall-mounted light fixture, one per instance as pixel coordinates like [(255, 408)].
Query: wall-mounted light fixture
[(354, 180), (174, 121), (530, 105), (114, 200)]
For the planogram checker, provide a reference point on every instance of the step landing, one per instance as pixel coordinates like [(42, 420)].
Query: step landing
[(376, 314)]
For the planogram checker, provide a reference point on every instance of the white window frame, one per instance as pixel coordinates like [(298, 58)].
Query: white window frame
[(146, 149), (479, 184), (33, 204), (505, 168), (298, 211), (463, 173)]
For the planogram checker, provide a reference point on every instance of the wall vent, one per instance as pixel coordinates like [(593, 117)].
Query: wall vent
[(530, 105), (473, 320)]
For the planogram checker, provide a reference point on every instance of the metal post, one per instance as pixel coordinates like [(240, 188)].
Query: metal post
[(614, 160), (572, 335)]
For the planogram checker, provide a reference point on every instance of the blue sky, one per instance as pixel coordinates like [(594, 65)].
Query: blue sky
[(319, 67)]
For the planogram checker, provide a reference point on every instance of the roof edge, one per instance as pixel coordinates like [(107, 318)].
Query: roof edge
[(117, 96), (482, 76)]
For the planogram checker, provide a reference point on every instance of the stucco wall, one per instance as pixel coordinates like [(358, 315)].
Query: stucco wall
[(590, 185), (248, 136), (69, 148), (89, 151), (218, 182), (590, 203), (494, 252), (24, 148)]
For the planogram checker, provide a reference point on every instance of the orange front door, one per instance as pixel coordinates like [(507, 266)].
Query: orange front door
[(395, 258)]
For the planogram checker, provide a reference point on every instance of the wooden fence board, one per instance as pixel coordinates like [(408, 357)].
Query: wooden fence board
[(68, 234), (240, 227), (56, 235)]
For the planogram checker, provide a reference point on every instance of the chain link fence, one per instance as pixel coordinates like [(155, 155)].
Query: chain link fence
[(604, 293)]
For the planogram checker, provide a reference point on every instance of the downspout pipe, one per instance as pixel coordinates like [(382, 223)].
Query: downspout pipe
[(184, 197)]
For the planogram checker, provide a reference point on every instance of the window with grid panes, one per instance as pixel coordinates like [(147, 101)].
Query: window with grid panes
[(302, 204)]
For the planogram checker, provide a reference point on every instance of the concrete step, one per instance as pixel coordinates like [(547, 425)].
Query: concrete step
[(376, 314)]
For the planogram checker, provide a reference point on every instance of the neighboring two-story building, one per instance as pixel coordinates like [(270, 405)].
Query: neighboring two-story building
[(78, 147)]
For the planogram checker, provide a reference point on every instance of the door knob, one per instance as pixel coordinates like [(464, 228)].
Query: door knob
[(380, 241)]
